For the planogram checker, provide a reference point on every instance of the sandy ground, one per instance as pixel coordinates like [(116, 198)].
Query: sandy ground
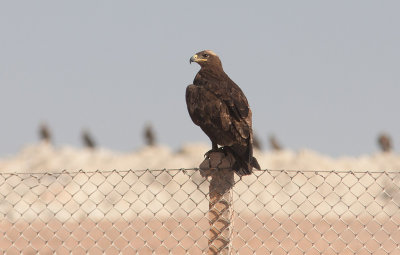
[(61, 209)]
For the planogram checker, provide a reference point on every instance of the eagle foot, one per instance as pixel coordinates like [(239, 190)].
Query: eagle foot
[(220, 149)]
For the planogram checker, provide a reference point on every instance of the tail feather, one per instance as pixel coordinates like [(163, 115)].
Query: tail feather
[(254, 163), (242, 169), (244, 162)]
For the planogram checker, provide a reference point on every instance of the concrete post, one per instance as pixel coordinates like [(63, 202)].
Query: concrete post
[(220, 214)]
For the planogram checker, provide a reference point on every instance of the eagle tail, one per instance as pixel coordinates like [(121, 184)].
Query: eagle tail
[(254, 163), (245, 168), (244, 160)]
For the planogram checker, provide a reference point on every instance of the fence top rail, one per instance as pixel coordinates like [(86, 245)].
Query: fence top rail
[(64, 171)]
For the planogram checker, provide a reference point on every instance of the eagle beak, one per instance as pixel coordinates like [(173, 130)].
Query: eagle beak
[(193, 59)]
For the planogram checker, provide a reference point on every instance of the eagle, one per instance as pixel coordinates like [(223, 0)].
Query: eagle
[(220, 108)]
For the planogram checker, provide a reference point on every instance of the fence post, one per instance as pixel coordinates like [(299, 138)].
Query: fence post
[(220, 214)]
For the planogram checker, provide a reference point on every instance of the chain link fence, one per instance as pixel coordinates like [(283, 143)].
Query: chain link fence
[(166, 212)]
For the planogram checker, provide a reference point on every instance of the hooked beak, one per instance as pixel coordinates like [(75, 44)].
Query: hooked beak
[(193, 59), (196, 59)]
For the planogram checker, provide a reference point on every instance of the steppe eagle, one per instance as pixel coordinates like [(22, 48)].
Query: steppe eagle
[(220, 108)]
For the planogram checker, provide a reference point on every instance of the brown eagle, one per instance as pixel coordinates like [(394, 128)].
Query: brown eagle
[(219, 107)]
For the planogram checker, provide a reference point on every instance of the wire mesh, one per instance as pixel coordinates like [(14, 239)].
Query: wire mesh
[(166, 212)]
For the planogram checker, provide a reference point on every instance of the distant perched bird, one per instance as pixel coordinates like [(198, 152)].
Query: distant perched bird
[(44, 133), (88, 140), (219, 107), (149, 136), (385, 142), (256, 142), (274, 143)]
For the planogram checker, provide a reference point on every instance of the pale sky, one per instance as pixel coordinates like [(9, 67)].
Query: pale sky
[(319, 75)]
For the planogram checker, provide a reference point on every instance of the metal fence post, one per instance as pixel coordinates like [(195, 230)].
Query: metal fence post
[(220, 214)]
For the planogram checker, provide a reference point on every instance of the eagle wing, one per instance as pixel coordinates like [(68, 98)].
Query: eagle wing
[(222, 112), (237, 105)]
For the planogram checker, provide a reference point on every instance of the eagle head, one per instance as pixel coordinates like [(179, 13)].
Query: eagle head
[(206, 58)]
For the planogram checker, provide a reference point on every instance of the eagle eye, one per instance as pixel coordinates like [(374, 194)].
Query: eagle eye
[(205, 55)]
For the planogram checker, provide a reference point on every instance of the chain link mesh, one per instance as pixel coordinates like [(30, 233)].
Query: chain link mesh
[(166, 212)]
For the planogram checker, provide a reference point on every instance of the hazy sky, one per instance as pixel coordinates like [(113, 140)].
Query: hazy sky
[(317, 74)]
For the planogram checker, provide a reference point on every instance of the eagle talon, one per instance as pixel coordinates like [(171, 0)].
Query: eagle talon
[(208, 153)]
